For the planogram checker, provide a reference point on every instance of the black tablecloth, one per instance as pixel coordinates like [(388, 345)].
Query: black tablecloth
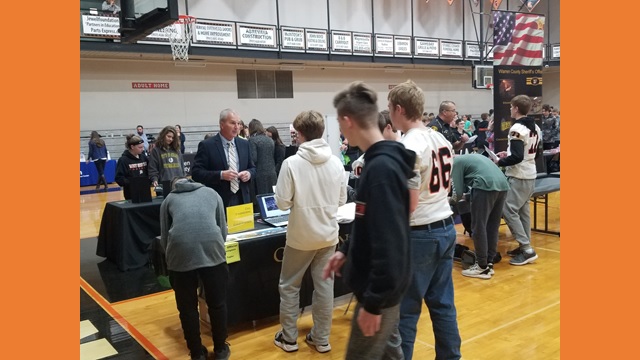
[(126, 232), (253, 281)]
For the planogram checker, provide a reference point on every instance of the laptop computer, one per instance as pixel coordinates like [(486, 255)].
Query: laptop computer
[(269, 211)]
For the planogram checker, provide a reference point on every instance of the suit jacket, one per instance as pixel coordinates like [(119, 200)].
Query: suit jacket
[(211, 160)]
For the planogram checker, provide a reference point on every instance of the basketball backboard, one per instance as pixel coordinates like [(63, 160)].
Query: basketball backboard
[(482, 76), (139, 18)]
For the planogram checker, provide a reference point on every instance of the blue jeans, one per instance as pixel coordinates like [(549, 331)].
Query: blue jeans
[(431, 265)]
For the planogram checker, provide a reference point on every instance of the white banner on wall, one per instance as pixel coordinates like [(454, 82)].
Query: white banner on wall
[(555, 51), (262, 36), (402, 46), (341, 42), (451, 49), (472, 50), (488, 51), (162, 35), (429, 48), (94, 25), (384, 45), (214, 33), (292, 39), (362, 44), (316, 40)]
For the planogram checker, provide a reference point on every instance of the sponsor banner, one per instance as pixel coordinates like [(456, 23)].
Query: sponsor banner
[(427, 47), (384, 45), (263, 36), (402, 46), (362, 44), (341, 42), (451, 49), (292, 39), (488, 52), (214, 33), (472, 50), (316, 40), (100, 26), (162, 35), (555, 51)]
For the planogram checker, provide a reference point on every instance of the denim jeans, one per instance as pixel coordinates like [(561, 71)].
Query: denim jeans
[(431, 264)]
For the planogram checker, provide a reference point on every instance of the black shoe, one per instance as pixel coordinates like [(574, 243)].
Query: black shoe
[(223, 353), (204, 354), (497, 258), (515, 251)]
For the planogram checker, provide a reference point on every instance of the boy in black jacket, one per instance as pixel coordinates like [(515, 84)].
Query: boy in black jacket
[(378, 267)]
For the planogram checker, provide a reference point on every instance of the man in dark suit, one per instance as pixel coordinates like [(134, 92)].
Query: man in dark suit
[(223, 162)]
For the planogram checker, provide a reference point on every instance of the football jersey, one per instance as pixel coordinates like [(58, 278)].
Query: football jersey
[(526, 169), (434, 159)]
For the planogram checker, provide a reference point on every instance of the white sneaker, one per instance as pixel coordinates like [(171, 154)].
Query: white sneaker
[(477, 272), (284, 344), (320, 348), (490, 266)]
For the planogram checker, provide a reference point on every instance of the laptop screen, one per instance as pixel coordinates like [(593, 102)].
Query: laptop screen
[(268, 207)]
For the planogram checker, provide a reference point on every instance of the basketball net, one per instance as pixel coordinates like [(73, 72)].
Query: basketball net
[(180, 37)]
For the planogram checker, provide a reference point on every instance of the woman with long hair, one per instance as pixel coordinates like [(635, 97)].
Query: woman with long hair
[(165, 160), (262, 149), (132, 163), (280, 148), (183, 138), (98, 154)]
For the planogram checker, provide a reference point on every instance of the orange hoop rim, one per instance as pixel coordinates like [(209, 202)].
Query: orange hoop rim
[(186, 19)]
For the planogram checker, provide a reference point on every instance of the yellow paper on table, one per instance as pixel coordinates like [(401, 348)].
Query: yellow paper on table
[(233, 251), (240, 218)]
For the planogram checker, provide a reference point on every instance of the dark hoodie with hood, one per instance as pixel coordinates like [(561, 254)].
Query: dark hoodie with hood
[(130, 166), (378, 267)]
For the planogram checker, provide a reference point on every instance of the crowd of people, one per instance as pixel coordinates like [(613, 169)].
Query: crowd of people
[(400, 253)]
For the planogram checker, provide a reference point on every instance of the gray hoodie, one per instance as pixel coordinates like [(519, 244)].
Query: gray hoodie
[(193, 227)]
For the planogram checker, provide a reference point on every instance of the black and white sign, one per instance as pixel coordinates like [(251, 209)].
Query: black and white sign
[(555, 51), (100, 26), (263, 36), (427, 47), (316, 40), (292, 39), (451, 49), (214, 33), (472, 50), (341, 42), (384, 45), (402, 45), (362, 44)]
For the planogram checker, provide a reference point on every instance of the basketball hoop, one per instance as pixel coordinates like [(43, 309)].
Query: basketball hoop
[(490, 87), (180, 37)]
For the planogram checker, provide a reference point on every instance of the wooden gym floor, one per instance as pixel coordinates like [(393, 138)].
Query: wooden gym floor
[(515, 315)]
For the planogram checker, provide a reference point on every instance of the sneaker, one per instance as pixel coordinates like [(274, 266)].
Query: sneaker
[(201, 356), (490, 266), (477, 272), (524, 258), (222, 354), (320, 348), (283, 344), (514, 252)]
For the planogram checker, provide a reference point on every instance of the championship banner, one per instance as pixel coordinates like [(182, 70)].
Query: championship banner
[(518, 38), (530, 4), (510, 81)]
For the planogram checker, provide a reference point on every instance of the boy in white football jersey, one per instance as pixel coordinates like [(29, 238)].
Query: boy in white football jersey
[(433, 236), (520, 162)]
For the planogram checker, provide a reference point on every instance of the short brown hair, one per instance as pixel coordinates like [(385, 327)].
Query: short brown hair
[(360, 102), (310, 123), (410, 97), (523, 103), (384, 119)]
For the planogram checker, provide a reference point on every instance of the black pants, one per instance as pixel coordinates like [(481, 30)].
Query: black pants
[(100, 166), (185, 285), (486, 212)]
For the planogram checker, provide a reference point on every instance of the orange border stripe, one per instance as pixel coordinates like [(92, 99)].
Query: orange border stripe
[(146, 344)]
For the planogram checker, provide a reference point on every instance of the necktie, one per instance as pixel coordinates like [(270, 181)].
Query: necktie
[(233, 165)]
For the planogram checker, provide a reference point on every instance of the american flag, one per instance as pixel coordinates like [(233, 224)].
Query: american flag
[(518, 38)]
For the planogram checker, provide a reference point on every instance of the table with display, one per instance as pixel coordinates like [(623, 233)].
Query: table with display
[(89, 173), (128, 236)]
